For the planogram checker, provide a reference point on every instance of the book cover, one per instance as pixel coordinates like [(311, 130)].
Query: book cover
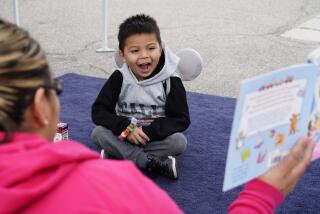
[(273, 110)]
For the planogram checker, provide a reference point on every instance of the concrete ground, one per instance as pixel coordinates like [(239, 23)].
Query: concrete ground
[(237, 39)]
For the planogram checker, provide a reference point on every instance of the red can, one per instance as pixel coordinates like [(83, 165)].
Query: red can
[(62, 132)]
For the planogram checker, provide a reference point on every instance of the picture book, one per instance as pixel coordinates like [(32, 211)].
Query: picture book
[(272, 112)]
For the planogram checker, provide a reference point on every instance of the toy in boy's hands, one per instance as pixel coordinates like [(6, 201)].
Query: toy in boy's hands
[(137, 136), (287, 173), (130, 128)]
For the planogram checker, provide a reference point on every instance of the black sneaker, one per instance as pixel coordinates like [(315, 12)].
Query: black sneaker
[(167, 167), (103, 154)]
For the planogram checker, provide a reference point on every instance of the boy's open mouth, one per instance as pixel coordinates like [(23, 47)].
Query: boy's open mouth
[(144, 66)]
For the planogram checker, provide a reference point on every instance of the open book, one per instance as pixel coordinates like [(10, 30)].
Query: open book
[(272, 112)]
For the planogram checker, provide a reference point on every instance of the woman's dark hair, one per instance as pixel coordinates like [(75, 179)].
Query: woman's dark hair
[(137, 24), (23, 69)]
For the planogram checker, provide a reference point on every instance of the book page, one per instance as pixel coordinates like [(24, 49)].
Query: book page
[(272, 107), (314, 121)]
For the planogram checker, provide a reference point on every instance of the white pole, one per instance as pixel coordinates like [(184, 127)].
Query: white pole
[(16, 12), (105, 29)]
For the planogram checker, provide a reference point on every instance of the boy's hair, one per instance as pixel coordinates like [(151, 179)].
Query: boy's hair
[(137, 24)]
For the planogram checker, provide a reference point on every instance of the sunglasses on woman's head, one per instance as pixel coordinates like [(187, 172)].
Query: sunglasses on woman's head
[(56, 84)]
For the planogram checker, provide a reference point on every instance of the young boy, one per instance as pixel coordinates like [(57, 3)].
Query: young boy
[(142, 109)]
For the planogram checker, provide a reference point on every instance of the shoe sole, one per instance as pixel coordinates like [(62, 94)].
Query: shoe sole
[(102, 153), (174, 167)]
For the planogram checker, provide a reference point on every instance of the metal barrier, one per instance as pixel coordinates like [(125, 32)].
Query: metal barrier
[(16, 12), (104, 47)]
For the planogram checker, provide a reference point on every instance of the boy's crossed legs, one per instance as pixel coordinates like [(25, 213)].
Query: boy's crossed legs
[(155, 156)]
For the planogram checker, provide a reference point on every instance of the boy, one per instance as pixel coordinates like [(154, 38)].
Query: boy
[(142, 109)]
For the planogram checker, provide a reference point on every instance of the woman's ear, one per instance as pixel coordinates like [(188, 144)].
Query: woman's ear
[(40, 107)]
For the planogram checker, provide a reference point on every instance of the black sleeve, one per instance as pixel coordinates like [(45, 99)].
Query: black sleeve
[(177, 117), (103, 110)]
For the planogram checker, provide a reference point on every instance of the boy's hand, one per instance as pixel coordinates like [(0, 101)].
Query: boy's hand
[(287, 173), (137, 136)]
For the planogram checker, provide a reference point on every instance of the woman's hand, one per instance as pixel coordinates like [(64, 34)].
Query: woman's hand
[(286, 174), (137, 136)]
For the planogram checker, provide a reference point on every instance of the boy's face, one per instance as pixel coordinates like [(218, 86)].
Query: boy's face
[(141, 52)]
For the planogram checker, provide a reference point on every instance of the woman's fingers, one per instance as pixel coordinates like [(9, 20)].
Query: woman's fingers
[(293, 158), (302, 166), (287, 173)]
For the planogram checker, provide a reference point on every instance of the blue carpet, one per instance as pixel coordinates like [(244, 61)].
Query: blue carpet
[(199, 189)]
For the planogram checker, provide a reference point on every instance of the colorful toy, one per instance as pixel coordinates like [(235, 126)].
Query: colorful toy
[(129, 129)]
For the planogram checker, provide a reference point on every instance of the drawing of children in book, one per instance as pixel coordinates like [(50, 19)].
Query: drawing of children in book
[(272, 132), (279, 139), (310, 128), (261, 157), (259, 142), (317, 121), (294, 123), (314, 127), (240, 140), (245, 154)]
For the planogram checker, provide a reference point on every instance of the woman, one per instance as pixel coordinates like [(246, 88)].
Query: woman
[(37, 176)]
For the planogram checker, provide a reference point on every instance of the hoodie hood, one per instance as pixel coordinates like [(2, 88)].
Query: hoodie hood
[(169, 68), (30, 167), (146, 99)]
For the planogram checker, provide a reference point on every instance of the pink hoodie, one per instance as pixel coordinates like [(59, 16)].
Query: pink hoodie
[(41, 177), (256, 197)]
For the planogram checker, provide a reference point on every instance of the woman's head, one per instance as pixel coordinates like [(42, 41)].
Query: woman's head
[(27, 102)]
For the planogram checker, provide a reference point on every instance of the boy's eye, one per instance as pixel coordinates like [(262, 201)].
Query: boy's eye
[(152, 48), (133, 51)]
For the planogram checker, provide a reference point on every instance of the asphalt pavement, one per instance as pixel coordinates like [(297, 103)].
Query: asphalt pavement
[(237, 39)]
